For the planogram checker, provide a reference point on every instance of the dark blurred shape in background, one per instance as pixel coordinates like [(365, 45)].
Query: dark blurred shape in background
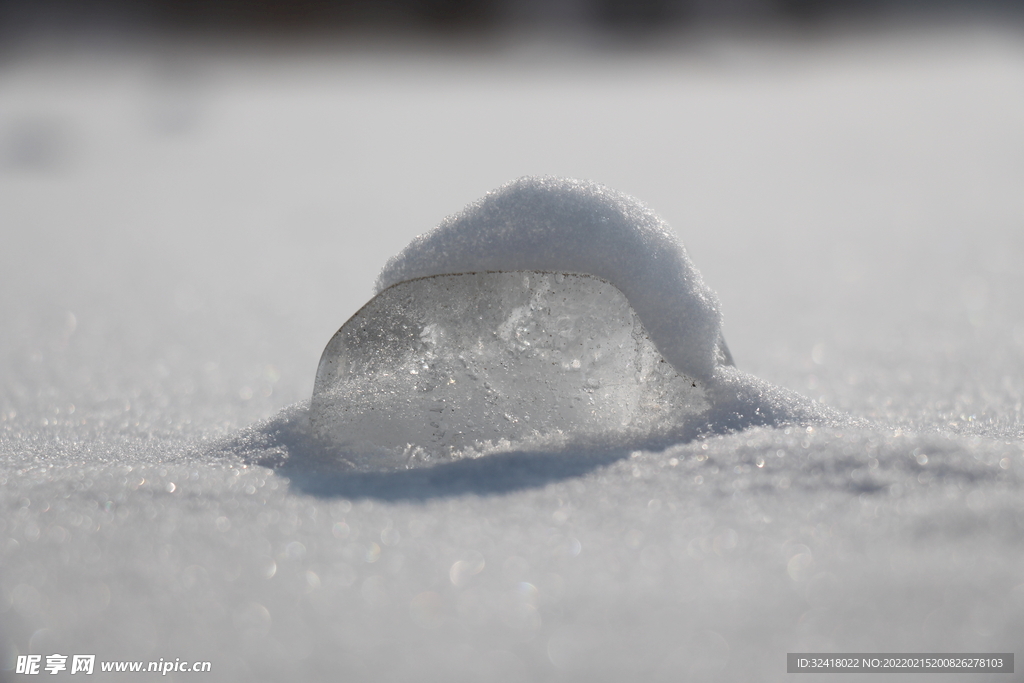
[(431, 16)]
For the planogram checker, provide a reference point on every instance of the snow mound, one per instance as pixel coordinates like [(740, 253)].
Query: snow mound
[(454, 366), (565, 225)]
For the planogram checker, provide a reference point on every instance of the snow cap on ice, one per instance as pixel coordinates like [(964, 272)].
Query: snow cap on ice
[(578, 226)]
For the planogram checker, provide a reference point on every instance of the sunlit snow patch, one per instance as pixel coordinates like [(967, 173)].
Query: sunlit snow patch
[(552, 314)]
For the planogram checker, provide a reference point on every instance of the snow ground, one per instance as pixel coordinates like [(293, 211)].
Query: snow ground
[(184, 230)]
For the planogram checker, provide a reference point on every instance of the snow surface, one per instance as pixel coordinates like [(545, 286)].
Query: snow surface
[(185, 229)]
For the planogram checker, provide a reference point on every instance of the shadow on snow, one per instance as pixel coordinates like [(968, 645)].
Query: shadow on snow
[(285, 444)]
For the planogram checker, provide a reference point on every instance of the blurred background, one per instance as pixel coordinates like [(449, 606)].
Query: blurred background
[(215, 184), (483, 16)]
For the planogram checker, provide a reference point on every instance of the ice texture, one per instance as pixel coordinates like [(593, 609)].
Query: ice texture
[(562, 224), (450, 366)]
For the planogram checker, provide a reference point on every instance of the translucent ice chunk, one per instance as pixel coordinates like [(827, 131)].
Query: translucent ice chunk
[(453, 366)]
